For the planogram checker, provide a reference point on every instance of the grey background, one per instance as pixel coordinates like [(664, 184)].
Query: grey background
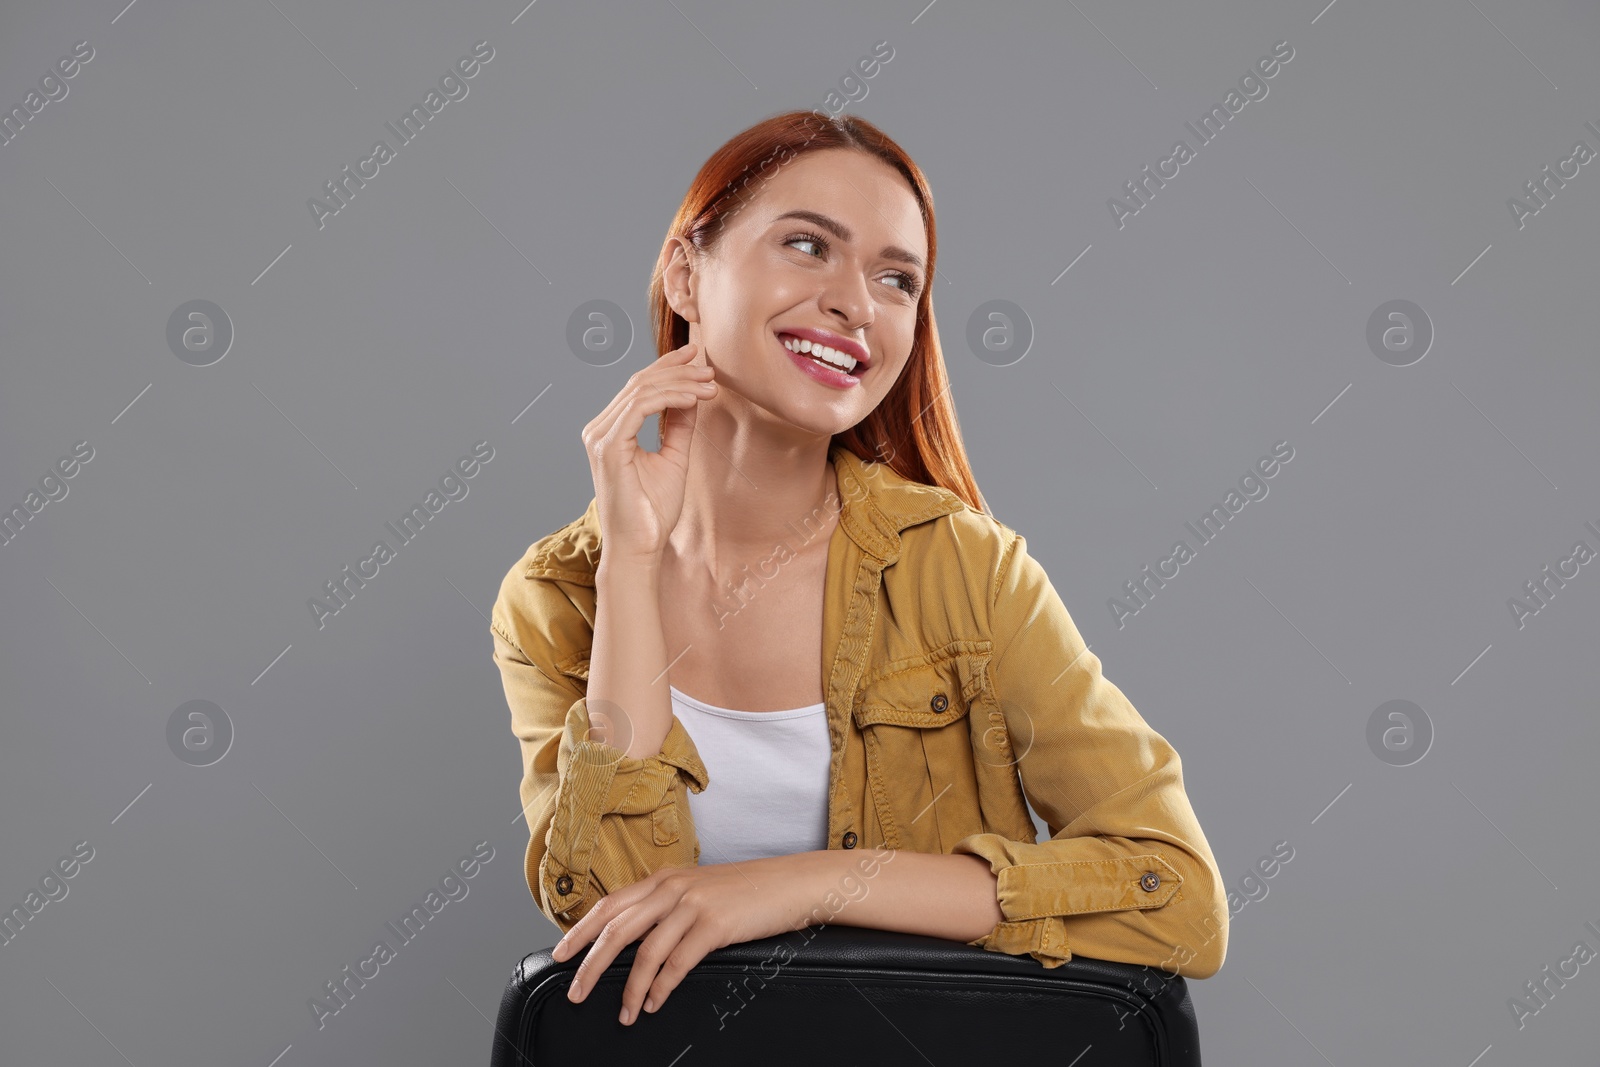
[(1229, 314)]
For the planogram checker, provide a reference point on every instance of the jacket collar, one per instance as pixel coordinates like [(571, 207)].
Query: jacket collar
[(877, 504)]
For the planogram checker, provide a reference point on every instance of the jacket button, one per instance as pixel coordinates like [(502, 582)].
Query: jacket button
[(1149, 881), (564, 884), (939, 702), (849, 839)]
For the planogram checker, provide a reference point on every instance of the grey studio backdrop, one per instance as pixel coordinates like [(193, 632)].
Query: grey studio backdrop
[(1340, 271)]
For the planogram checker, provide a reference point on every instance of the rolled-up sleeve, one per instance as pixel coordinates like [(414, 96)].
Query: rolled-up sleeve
[(1127, 874), (598, 819)]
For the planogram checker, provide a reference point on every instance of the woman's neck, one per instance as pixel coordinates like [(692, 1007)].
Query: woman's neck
[(742, 499)]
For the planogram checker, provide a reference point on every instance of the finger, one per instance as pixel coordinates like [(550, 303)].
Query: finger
[(649, 401), (679, 364), (663, 401), (663, 371), (583, 930), (624, 928), (570, 942), (604, 909), (573, 940), (671, 364), (684, 354), (658, 948), (677, 429), (652, 389), (692, 948), (617, 935), (700, 391)]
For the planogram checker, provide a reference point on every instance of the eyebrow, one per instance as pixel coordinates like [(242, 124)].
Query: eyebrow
[(842, 232)]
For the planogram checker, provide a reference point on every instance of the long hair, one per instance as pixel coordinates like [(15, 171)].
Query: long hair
[(913, 429)]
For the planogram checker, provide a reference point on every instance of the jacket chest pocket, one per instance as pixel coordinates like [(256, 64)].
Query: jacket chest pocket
[(914, 718)]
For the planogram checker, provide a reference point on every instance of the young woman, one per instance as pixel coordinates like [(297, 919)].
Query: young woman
[(788, 670)]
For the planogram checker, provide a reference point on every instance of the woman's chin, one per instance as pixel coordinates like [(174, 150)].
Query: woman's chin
[(814, 419)]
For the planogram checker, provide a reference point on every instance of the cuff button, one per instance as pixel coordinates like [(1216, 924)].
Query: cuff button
[(849, 840), (1149, 881), (564, 884)]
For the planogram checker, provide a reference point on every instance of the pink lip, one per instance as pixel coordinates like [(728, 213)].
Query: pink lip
[(834, 341), (829, 376)]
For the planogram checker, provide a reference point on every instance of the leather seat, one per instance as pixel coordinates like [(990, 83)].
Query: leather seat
[(850, 995)]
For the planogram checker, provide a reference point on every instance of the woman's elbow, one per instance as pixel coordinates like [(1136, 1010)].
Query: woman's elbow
[(1200, 944)]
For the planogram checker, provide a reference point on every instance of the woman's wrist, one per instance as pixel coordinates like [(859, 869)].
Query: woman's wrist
[(630, 574)]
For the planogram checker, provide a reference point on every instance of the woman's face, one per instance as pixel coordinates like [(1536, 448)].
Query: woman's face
[(831, 248)]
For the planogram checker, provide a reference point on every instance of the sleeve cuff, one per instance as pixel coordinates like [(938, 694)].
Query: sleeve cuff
[(598, 780), (1044, 939), (1033, 882), (1038, 892), (607, 781)]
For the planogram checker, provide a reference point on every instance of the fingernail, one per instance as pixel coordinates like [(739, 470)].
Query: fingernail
[(649, 1004), (572, 993), (624, 1017)]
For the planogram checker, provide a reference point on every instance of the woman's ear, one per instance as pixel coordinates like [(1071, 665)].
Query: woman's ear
[(678, 279)]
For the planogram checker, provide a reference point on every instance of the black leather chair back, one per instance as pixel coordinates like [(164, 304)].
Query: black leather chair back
[(842, 996)]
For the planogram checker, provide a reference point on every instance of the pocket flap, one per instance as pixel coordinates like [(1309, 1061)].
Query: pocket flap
[(576, 665), (927, 690)]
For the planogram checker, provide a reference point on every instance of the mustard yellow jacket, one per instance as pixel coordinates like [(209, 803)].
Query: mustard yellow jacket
[(956, 686)]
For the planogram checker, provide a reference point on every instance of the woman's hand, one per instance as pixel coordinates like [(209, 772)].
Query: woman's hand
[(639, 493), (693, 911)]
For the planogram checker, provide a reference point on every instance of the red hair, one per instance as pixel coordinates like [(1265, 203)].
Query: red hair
[(913, 429)]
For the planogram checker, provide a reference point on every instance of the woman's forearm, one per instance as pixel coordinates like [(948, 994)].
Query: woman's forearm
[(629, 703), (940, 895)]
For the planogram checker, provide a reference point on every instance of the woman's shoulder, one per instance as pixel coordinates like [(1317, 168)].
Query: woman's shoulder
[(927, 512), (546, 599), (959, 526), (961, 557), (569, 554)]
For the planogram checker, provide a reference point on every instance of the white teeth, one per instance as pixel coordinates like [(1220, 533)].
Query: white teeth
[(842, 360)]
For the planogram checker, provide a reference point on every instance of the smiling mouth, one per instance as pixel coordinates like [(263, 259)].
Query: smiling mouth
[(828, 357)]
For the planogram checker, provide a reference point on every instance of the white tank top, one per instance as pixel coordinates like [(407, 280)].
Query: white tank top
[(768, 779)]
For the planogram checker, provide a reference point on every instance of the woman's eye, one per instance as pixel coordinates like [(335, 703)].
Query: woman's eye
[(908, 282), (822, 246)]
